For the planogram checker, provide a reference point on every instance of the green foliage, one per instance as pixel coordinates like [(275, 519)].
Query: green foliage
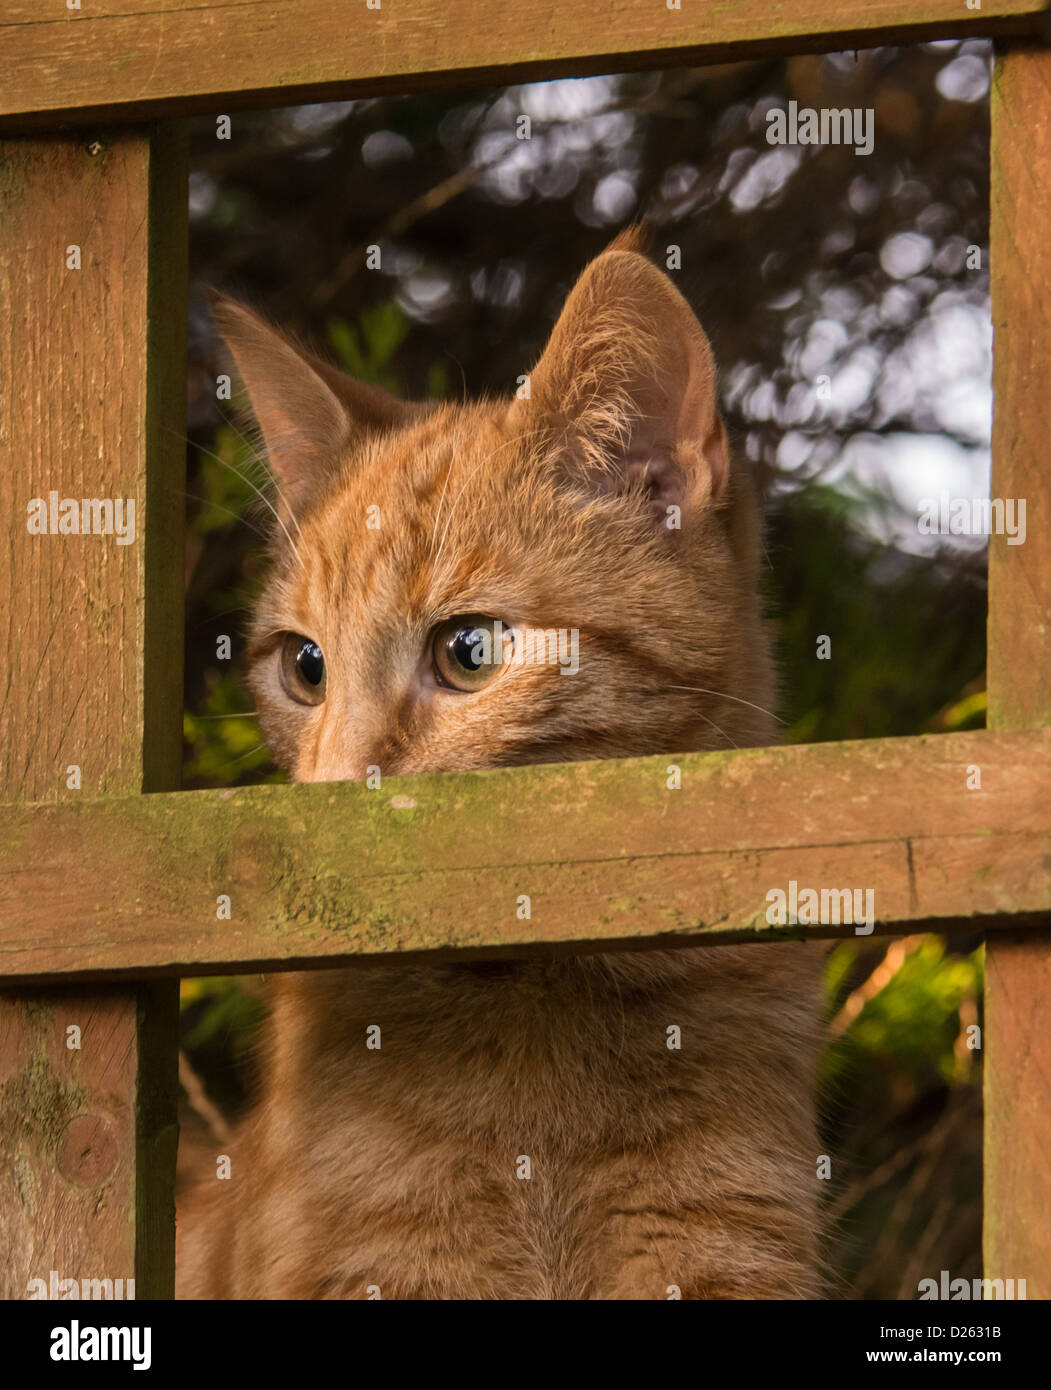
[(231, 1011), (219, 1019), (223, 743), (902, 1100), (366, 350), (907, 632), (910, 1028)]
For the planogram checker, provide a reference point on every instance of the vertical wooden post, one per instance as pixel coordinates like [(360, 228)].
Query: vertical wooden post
[(1018, 984), (92, 403)]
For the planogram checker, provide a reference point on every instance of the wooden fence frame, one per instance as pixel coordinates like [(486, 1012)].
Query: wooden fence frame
[(99, 915)]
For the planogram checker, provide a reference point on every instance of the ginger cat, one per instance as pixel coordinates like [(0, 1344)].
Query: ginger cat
[(605, 502)]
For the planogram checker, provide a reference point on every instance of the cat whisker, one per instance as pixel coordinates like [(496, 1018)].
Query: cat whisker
[(438, 513), (246, 714), (623, 1016), (255, 488), (252, 445), (236, 611), (452, 509), (256, 459), (234, 761), (722, 695), (712, 722), (463, 375), (193, 496), (491, 455)]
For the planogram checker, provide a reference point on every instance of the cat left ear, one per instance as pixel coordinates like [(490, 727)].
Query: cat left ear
[(307, 410), (303, 424), (627, 380)]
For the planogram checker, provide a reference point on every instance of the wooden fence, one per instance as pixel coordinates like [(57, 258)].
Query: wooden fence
[(107, 893)]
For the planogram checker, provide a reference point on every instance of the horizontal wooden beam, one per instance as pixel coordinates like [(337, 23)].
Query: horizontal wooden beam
[(605, 854), (133, 59)]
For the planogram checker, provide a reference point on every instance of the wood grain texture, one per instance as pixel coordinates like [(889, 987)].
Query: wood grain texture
[(88, 397), (1017, 1082), (134, 58), (608, 855)]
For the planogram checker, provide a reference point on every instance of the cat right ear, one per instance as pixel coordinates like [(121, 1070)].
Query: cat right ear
[(308, 412), (627, 384)]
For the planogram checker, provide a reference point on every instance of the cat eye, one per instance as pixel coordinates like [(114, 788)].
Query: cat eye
[(302, 669), (469, 652)]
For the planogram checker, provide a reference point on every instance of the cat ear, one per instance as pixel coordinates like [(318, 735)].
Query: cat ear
[(307, 410), (628, 381)]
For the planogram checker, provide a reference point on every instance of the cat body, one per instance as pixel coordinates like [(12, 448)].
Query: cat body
[(525, 1132), (524, 1129)]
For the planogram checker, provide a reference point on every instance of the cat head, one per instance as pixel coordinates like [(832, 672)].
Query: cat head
[(567, 573)]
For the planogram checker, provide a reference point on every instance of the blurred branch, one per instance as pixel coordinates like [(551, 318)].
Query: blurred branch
[(894, 958), (930, 1155), (198, 1099)]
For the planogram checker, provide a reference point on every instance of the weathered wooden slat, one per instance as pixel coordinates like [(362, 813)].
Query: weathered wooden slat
[(1017, 1076), (90, 394), (134, 58), (607, 854)]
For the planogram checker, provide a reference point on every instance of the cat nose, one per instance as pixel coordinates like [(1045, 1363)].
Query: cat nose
[(346, 750), (340, 772), (334, 765)]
